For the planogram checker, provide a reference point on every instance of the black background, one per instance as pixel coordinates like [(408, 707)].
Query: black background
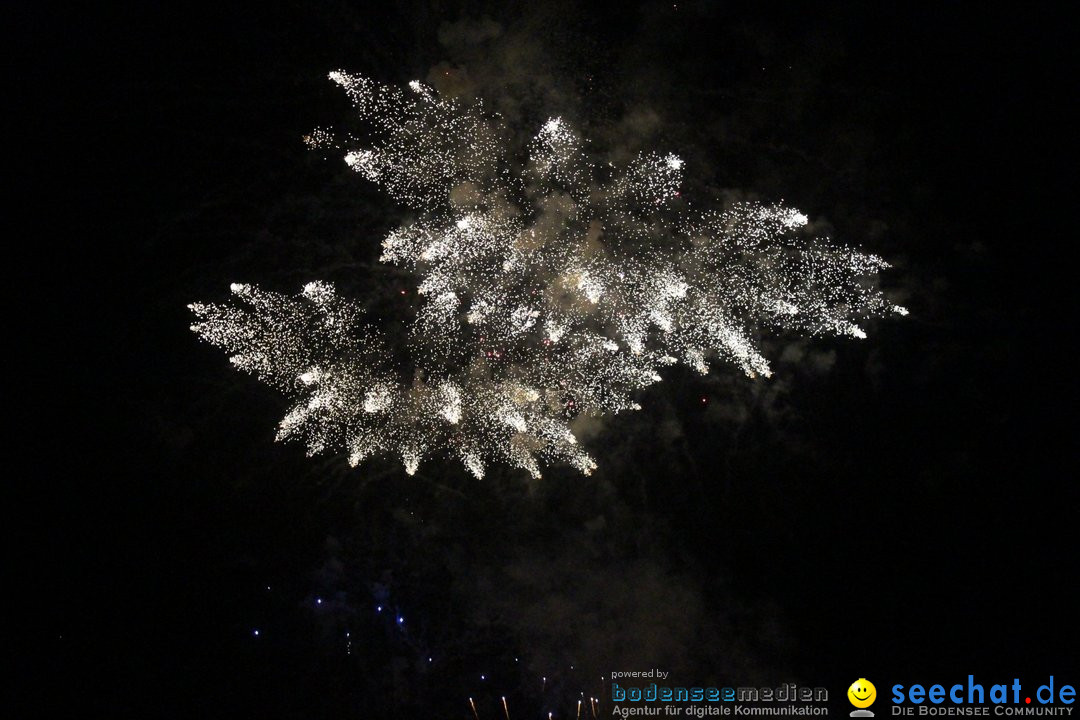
[(905, 514)]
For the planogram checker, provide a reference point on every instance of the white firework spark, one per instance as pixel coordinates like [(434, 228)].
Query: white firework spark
[(547, 288)]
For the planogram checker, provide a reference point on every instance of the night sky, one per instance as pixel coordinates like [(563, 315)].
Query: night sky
[(898, 507)]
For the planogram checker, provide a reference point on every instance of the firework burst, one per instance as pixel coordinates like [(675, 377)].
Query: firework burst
[(547, 286)]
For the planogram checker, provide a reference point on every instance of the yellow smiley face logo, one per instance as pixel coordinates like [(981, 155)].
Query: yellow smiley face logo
[(862, 693)]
